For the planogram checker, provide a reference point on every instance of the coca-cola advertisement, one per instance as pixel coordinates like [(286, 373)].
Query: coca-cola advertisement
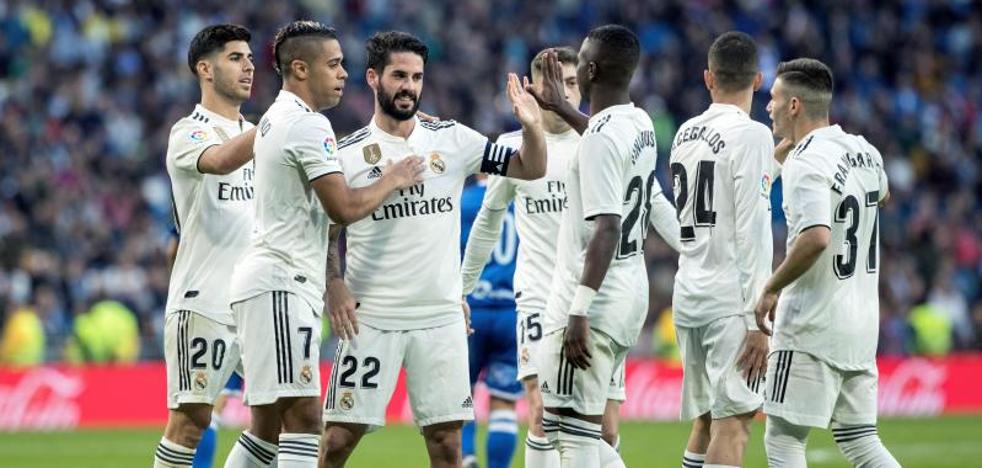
[(63, 397)]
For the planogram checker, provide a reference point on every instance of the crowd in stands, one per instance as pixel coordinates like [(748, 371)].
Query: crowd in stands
[(90, 88)]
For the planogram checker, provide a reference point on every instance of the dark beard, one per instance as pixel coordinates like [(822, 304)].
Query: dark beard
[(387, 101)]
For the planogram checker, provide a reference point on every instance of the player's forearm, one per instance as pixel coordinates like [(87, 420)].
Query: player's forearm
[(363, 201), (334, 254), (665, 221), (573, 117), (530, 161), (600, 250), (484, 234), (806, 249), (227, 157)]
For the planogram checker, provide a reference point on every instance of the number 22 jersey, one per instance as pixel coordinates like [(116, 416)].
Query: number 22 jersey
[(832, 311)]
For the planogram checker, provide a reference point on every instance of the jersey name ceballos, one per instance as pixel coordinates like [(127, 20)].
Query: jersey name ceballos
[(832, 311), (613, 173), (403, 260), (212, 215), (539, 206), (288, 251), (713, 155)]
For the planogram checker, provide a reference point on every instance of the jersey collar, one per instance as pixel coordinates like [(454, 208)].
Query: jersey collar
[(611, 110), (721, 107), (216, 117), (383, 135), (286, 95)]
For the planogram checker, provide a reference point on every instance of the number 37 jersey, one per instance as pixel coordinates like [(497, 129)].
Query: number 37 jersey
[(613, 174), (832, 311)]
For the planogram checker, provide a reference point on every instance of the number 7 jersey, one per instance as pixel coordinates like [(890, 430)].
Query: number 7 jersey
[(613, 173), (832, 311)]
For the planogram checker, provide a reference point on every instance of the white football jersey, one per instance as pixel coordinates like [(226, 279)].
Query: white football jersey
[(721, 164), (212, 213), (288, 252), (832, 311), (539, 206), (613, 173), (403, 260)]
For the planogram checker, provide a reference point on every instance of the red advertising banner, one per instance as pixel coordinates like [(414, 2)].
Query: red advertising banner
[(62, 397)]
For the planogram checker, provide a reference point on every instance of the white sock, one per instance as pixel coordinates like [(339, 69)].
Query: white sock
[(862, 446), (609, 458), (172, 455), (540, 453), (578, 443), (693, 460), (251, 452), (785, 443), (298, 450)]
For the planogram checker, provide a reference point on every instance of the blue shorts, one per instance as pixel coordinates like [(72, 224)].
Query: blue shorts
[(493, 351), (234, 384)]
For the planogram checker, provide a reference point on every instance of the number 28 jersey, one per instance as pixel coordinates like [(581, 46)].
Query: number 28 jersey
[(612, 174), (832, 311)]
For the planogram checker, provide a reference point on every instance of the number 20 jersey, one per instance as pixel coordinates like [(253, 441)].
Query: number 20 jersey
[(832, 311), (612, 174)]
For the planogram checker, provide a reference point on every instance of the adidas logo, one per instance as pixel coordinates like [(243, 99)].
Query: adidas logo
[(545, 387), (468, 402), (375, 173)]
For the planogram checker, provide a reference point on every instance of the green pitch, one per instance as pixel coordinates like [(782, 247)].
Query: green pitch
[(945, 442)]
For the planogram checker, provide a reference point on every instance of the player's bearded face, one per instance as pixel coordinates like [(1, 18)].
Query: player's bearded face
[(400, 85), (232, 71)]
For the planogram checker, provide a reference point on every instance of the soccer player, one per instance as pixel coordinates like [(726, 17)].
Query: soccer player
[(207, 157), (721, 165), (491, 348), (277, 287), (539, 208), (822, 368), (403, 262), (598, 299)]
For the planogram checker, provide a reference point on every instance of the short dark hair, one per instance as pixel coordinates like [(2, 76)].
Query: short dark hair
[(733, 60), (810, 81), (382, 44), (292, 41), (213, 38), (618, 53), (565, 55)]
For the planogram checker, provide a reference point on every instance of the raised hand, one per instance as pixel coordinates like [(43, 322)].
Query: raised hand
[(523, 104), (549, 94)]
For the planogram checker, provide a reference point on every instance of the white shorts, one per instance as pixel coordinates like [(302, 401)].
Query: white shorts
[(366, 370), (808, 392), (529, 332), (586, 391), (711, 381), (200, 355), (281, 338)]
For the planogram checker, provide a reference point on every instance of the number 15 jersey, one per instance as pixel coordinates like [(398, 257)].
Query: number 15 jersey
[(832, 311), (612, 174)]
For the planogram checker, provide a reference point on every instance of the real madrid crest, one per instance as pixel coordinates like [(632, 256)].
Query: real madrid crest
[(200, 381), (436, 164), (373, 154), (306, 374), (347, 401)]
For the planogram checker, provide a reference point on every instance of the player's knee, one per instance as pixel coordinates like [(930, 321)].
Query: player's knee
[(735, 429), (302, 415), (339, 441), (609, 435), (444, 441), (702, 425), (187, 424)]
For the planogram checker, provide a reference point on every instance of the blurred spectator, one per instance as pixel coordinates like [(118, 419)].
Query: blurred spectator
[(932, 330), (90, 88), (22, 342), (107, 333)]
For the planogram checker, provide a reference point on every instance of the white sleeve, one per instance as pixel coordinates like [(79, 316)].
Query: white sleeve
[(807, 194), (750, 169), (485, 230), (664, 217), (601, 176), (312, 147), (482, 155), (186, 144)]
